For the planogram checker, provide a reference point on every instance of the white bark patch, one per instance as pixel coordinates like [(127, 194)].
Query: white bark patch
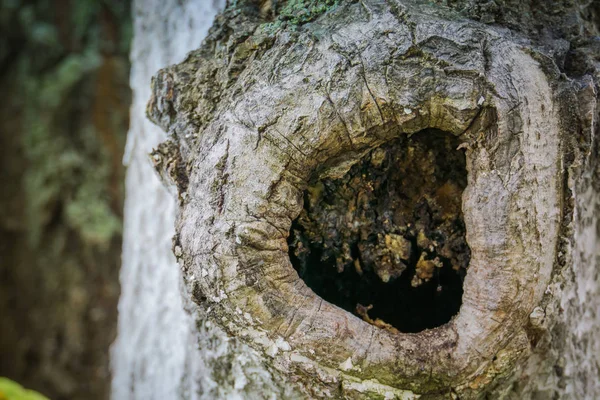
[(346, 365), (156, 353)]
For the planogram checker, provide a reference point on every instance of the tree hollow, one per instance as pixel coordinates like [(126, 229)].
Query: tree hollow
[(387, 240)]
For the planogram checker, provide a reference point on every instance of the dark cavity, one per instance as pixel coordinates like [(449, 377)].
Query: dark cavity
[(387, 240)]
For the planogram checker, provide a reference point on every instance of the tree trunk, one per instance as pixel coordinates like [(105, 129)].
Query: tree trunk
[(63, 120), (375, 199)]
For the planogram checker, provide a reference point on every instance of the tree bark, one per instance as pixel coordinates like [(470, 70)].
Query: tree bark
[(285, 96), (63, 119), (164, 348)]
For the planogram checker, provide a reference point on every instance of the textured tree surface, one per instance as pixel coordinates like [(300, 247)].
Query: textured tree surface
[(64, 78), (284, 98)]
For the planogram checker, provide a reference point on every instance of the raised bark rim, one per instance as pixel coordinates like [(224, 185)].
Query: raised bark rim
[(507, 119)]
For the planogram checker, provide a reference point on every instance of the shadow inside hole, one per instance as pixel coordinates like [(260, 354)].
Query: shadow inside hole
[(389, 234)]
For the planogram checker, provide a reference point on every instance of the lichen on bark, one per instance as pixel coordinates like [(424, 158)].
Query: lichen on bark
[(64, 75)]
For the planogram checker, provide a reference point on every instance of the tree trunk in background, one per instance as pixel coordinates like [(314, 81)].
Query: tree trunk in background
[(285, 94), (156, 353), (65, 101)]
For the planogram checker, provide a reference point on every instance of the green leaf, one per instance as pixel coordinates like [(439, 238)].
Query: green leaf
[(10, 390)]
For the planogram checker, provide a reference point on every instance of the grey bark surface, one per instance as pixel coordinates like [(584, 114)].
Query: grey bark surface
[(283, 93)]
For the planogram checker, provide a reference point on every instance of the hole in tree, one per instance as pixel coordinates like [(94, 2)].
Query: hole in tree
[(387, 240)]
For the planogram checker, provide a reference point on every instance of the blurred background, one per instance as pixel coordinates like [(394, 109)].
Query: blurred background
[(65, 101)]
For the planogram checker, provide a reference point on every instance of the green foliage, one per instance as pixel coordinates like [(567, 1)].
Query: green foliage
[(10, 390)]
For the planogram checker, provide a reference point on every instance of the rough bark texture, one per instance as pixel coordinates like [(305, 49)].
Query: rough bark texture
[(165, 348), (284, 94), (63, 119)]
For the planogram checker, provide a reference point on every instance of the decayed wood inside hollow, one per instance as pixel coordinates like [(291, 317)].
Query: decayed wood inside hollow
[(387, 240)]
